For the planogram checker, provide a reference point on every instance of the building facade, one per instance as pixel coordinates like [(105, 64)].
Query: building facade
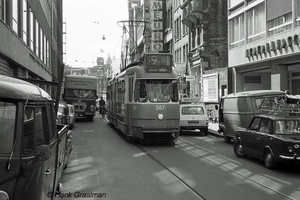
[(31, 39), (264, 45), (206, 51)]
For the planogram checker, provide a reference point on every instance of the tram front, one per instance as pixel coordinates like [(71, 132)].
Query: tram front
[(155, 113)]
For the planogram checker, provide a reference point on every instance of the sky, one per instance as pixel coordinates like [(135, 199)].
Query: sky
[(86, 22)]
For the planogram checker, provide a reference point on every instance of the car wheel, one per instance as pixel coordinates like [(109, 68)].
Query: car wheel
[(227, 139), (238, 149), (205, 131), (269, 160)]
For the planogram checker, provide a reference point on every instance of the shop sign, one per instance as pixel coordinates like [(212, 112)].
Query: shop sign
[(156, 25)]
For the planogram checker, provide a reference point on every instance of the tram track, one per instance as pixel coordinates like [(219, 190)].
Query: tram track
[(192, 148), (174, 175), (195, 147)]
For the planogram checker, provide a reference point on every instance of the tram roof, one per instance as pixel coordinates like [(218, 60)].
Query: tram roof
[(13, 88)]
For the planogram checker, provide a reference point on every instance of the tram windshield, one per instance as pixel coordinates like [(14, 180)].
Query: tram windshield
[(156, 90)]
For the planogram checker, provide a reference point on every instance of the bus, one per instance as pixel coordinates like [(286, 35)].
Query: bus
[(81, 92), (139, 115)]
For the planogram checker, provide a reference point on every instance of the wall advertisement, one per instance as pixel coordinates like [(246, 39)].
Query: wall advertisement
[(211, 88)]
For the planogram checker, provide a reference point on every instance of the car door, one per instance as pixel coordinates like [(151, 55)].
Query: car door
[(248, 137), (263, 137), (38, 174)]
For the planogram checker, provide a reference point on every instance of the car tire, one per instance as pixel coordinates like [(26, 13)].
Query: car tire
[(205, 131), (269, 160), (227, 139), (238, 149)]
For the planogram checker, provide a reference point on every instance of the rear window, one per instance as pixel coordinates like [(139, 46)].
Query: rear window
[(193, 110)]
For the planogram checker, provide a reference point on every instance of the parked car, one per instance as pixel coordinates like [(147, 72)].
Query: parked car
[(32, 145), (63, 116), (193, 116), (72, 115), (270, 137)]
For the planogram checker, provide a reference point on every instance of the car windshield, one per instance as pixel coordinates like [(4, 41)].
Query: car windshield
[(61, 109), (159, 90), (85, 94), (7, 124), (194, 110), (287, 127)]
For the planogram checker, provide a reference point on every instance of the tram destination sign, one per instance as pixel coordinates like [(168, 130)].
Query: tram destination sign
[(158, 63)]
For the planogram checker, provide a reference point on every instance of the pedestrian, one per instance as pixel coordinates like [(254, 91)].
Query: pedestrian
[(102, 106)]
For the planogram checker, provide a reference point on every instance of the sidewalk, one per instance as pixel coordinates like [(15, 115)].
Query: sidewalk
[(213, 129)]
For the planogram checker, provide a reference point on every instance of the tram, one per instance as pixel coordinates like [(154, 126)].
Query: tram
[(143, 101)]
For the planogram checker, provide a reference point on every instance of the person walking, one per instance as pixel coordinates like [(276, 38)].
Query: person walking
[(102, 107)]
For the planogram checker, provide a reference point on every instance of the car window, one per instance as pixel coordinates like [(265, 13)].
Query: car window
[(287, 127), (193, 110), (7, 123), (265, 126), (255, 124)]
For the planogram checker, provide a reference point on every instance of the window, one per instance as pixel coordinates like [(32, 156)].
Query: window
[(7, 124), (156, 91), (193, 110), (280, 24), (31, 28), (265, 126), (255, 124), (183, 54), (37, 37), (3, 10), (256, 26), (24, 21), (51, 115), (15, 15), (237, 31)]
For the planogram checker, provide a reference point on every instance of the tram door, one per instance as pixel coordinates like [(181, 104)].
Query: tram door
[(129, 106)]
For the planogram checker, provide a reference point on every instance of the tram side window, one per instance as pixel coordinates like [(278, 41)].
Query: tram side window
[(140, 93)]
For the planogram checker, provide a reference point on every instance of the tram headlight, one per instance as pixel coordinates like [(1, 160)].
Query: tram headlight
[(3, 195), (160, 116)]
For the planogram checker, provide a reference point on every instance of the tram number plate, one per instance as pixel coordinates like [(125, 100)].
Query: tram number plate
[(160, 107)]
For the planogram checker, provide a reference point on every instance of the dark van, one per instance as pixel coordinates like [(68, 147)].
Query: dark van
[(29, 141), (238, 109)]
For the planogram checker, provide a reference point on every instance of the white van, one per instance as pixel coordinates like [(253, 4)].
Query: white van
[(193, 116)]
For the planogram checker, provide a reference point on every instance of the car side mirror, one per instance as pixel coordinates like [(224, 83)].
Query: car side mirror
[(43, 152)]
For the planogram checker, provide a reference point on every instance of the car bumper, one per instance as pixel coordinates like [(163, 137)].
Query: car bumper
[(293, 158)]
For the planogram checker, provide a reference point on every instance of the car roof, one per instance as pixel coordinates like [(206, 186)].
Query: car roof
[(13, 88), (254, 93)]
